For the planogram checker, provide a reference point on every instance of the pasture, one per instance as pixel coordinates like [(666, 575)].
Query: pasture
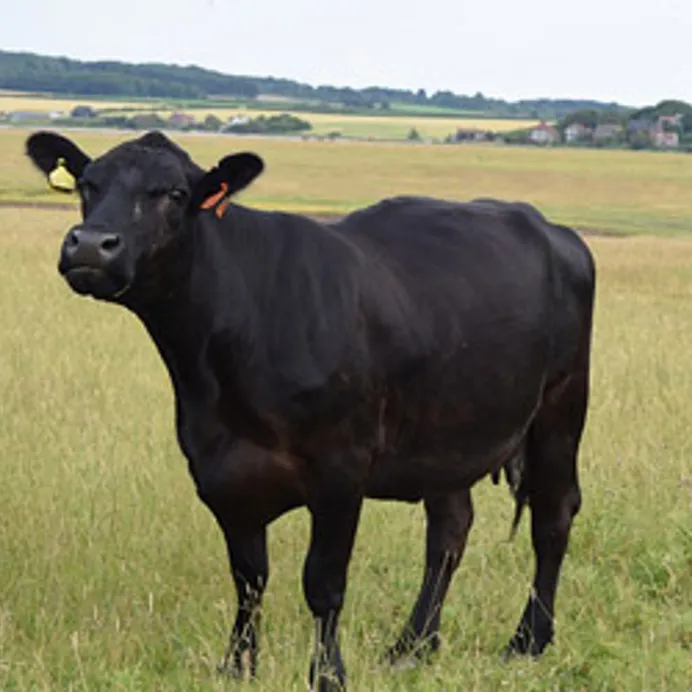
[(385, 127), (17, 101), (375, 126), (608, 191), (113, 575), (398, 127)]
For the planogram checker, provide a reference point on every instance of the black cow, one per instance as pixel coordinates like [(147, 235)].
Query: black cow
[(402, 353)]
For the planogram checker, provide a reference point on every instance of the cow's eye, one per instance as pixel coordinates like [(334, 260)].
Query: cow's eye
[(176, 194)]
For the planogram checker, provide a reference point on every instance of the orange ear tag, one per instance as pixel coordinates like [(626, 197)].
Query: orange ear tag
[(222, 206), (217, 198)]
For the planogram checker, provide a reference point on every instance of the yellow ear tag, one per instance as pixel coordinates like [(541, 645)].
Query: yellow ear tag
[(61, 179)]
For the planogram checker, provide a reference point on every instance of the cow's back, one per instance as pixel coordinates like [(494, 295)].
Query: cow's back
[(466, 269), (465, 266), (573, 279)]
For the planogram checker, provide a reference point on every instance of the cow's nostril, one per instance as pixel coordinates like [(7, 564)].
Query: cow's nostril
[(110, 243), (72, 238)]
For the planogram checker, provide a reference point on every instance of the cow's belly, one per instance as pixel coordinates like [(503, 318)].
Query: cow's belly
[(443, 446), (397, 475)]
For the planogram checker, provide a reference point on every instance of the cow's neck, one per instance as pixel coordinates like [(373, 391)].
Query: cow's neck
[(200, 298), (250, 325), (211, 334)]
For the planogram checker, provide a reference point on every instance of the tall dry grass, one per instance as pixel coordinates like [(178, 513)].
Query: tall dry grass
[(113, 575), (612, 191)]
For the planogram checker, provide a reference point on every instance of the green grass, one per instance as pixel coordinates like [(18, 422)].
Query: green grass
[(113, 575), (16, 101), (430, 122), (397, 127), (12, 100), (611, 191)]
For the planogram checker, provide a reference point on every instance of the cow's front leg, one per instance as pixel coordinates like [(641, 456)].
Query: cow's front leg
[(250, 569), (334, 521)]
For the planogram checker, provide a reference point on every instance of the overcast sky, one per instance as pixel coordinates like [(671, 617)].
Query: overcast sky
[(632, 51)]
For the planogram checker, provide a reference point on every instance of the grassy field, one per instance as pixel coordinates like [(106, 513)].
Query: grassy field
[(362, 126), (398, 127), (13, 101), (378, 126), (113, 575), (609, 191)]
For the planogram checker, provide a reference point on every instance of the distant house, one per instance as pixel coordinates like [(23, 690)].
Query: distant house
[(666, 132), (544, 134), (180, 121), (663, 133), (606, 132), (670, 121), (234, 122), (665, 139), (238, 120), (576, 132)]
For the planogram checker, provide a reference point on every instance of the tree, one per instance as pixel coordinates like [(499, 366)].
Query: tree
[(83, 112), (587, 117), (145, 121), (274, 124), (640, 140), (687, 122), (212, 123)]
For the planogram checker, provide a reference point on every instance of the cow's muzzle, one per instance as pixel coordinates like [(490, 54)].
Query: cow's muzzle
[(93, 262)]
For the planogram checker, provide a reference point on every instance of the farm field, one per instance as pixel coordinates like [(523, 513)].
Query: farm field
[(398, 127), (606, 191), (15, 101), (376, 126), (113, 575), (362, 126)]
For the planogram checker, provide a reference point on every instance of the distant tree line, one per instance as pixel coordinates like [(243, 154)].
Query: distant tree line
[(273, 124), (86, 116), (37, 73), (30, 72), (590, 117)]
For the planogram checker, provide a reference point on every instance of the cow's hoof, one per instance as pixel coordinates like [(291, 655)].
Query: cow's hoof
[(409, 654), (519, 646), (403, 662), (229, 671), (230, 668)]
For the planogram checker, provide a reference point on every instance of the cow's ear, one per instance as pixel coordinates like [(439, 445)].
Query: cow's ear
[(61, 161), (232, 174)]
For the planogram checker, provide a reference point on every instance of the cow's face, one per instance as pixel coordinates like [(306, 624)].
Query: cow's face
[(136, 200)]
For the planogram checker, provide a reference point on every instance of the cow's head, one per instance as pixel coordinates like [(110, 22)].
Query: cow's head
[(137, 200)]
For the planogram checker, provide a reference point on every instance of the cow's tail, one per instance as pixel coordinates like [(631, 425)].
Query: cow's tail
[(516, 475)]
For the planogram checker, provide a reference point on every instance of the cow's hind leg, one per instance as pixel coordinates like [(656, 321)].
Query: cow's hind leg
[(449, 521), (551, 487), (250, 569)]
